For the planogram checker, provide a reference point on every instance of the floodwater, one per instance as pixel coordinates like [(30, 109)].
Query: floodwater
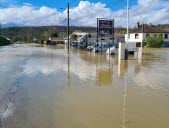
[(44, 87)]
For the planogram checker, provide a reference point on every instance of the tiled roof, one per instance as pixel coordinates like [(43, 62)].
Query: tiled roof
[(145, 28), (57, 38)]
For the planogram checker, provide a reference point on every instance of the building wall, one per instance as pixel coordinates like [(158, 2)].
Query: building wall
[(133, 39), (87, 39), (143, 36), (121, 39), (104, 39)]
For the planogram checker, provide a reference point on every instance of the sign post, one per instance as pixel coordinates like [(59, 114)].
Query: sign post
[(105, 27)]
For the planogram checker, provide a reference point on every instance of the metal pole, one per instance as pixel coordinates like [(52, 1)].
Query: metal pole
[(113, 31), (51, 35), (127, 23), (101, 47), (109, 49), (97, 34), (113, 36), (0, 26), (68, 26)]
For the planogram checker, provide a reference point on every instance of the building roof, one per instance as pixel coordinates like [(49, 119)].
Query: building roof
[(56, 38), (145, 28), (79, 33), (120, 35)]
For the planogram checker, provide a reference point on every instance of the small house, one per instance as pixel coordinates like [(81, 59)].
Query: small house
[(138, 36), (56, 40)]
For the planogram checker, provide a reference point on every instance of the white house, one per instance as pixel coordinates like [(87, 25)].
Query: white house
[(84, 39), (139, 35)]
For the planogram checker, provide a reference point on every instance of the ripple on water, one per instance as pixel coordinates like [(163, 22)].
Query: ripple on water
[(10, 111)]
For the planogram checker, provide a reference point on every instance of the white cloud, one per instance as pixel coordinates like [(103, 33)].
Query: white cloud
[(86, 13), (28, 15), (154, 11), (27, 4)]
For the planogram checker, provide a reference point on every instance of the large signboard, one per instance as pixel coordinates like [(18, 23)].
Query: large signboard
[(105, 27)]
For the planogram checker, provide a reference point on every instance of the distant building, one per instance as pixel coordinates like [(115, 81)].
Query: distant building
[(56, 40), (83, 39), (121, 37), (139, 35)]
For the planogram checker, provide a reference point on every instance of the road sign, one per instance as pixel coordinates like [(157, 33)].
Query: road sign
[(105, 27)]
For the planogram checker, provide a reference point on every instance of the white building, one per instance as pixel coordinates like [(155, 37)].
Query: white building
[(83, 39), (139, 35)]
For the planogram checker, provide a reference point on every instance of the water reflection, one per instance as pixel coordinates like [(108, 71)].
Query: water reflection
[(44, 99), (124, 103), (68, 68), (122, 73), (137, 69), (104, 72), (122, 67), (104, 75)]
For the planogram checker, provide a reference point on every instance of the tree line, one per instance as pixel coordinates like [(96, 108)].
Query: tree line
[(30, 34)]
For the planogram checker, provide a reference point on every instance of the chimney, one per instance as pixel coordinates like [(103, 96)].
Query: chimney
[(138, 24), (143, 27)]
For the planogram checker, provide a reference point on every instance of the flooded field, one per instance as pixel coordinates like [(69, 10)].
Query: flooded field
[(50, 88)]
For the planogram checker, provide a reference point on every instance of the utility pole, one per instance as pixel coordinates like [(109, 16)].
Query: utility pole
[(0, 28), (127, 23), (97, 34), (68, 6)]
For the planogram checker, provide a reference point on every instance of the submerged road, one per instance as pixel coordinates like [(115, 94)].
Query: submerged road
[(44, 87), (12, 65)]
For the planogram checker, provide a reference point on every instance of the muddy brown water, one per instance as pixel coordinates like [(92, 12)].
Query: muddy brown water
[(57, 89)]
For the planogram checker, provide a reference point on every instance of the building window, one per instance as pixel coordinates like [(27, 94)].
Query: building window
[(112, 38), (102, 39), (165, 36), (89, 36), (161, 35), (136, 36), (147, 35), (138, 44)]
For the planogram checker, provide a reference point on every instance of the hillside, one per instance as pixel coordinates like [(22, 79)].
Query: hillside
[(27, 34), (165, 26)]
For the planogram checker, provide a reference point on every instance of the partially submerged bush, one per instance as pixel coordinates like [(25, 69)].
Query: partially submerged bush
[(4, 41), (155, 42)]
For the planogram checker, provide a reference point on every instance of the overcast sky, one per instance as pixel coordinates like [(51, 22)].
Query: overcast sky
[(83, 13)]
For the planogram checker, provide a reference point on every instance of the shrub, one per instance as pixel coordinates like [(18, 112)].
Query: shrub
[(4, 41), (155, 42)]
